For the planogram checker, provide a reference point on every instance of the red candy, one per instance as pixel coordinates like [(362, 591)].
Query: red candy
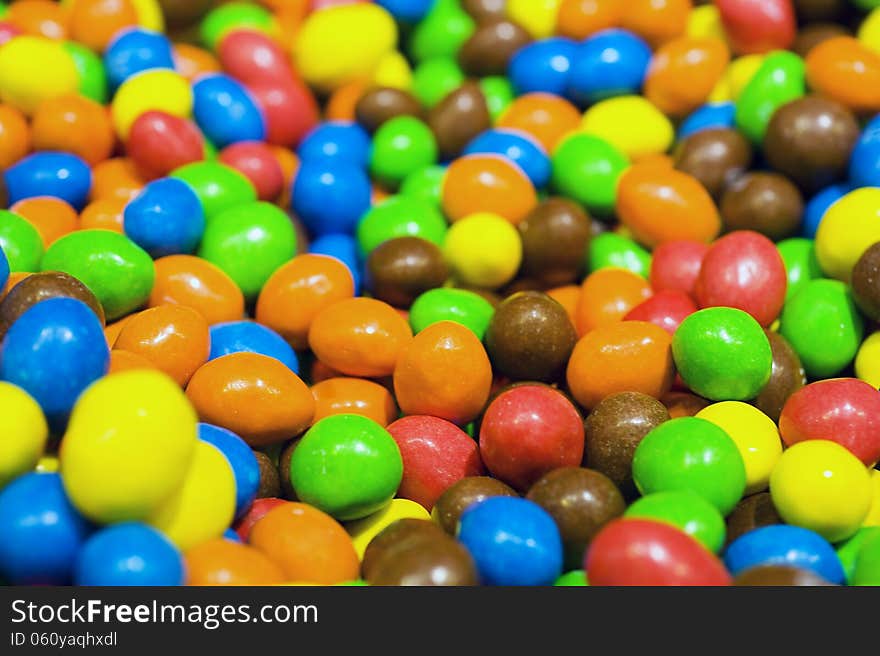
[(251, 56), (758, 26), (255, 513), (645, 552), (843, 410), (743, 270), (675, 265), (258, 163), (159, 143), (289, 107), (666, 309)]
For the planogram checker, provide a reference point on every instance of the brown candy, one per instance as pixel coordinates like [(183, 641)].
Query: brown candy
[(458, 118), (779, 576), (287, 491), (440, 562), (398, 270), (554, 237), (180, 13), (40, 287), (485, 10), (4, 192), (715, 157), (812, 35), (786, 377), (764, 202), (752, 512), (866, 282), (580, 501), (402, 534), (530, 337), (270, 484), (462, 495), (614, 429), (491, 46), (384, 103), (818, 10), (810, 140)]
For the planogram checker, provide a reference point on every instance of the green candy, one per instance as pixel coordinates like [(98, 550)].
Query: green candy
[(235, 15), (722, 354), (498, 92), (442, 32), (347, 466), (576, 577), (249, 242), (400, 147), (90, 68), (219, 187), (686, 510), (118, 271), (781, 78), (587, 168), (848, 551), (611, 250), (400, 216), (446, 304), (801, 265), (21, 242), (824, 327), (691, 454), (435, 78), (425, 183), (867, 569)]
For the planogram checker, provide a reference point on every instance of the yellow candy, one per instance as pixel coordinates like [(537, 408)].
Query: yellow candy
[(738, 74), (868, 361), (156, 89), (341, 44), (873, 518), (23, 432), (632, 124), (537, 17), (204, 505), (364, 530), (128, 445), (483, 250), (47, 465), (149, 14), (849, 226), (821, 486), (393, 71), (869, 31), (705, 22), (34, 69), (755, 435)]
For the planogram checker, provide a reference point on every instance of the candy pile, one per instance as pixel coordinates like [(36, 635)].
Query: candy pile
[(440, 292)]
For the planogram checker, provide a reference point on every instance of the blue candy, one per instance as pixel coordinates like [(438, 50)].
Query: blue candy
[(542, 66), (230, 534), (249, 336), (53, 352), (129, 554), (4, 269), (166, 218), (242, 460), (864, 162), (609, 63), (135, 50), (780, 544), (817, 206), (516, 147), (407, 11), (715, 115), (226, 112), (339, 141), (330, 196), (49, 173), (345, 249), (42, 532), (513, 541)]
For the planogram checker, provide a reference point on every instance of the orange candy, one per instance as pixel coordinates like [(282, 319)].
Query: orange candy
[(309, 545), (74, 124), (359, 337), (568, 297), (656, 21), (545, 117), (630, 356), (225, 562), (683, 73), (15, 136), (298, 291), (846, 70), (658, 204), (126, 361), (289, 166), (606, 296), (39, 18), (94, 22), (192, 62), (172, 337), (195, 283), (355, 396), (52, 217), (103, 214), (487, 183), (578, 19), (340, 106), (112, 330), (116, 178), (444, 372), (254, 396)]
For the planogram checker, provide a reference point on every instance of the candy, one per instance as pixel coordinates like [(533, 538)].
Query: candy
[(195, 283), (26, 431), (483, 250), (129, 554), (715, 156), (767, 203), (486, 184), (259, 164), (778, 80), (58, 174), (20, 241), (595, 75), (158, 89), (845, 70), (554, 235), (684, 510), (222, 562), (675, 265), (785, 545), (357, 396), (35, 69), (491, 46), (399, 270), (683, 73), (445, 304), (631, 124), (847, 229), (542, 66)]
